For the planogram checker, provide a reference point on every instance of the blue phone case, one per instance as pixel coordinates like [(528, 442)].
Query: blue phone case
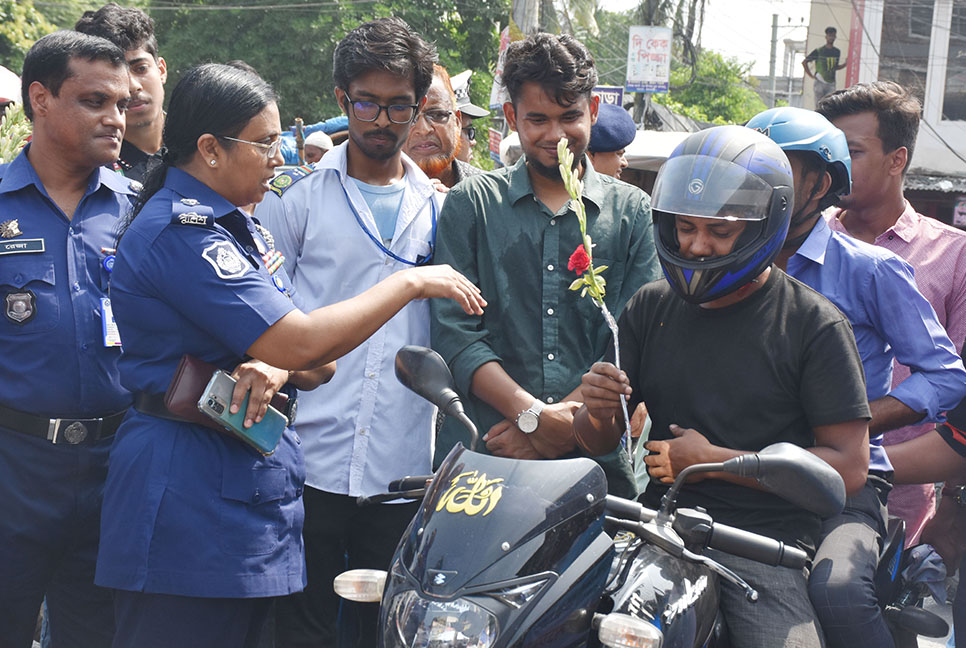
[(262, 436)]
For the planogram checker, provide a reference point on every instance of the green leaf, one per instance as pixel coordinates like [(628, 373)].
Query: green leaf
[(578, 282), (600, 269)]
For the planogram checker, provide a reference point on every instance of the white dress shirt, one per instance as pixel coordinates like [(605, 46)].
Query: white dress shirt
[(363, 428)]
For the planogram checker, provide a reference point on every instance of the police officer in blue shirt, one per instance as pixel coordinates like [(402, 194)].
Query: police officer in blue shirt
[(60, 396), (198, 530)]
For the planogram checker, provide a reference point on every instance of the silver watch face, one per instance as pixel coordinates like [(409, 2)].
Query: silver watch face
[(527, 421)]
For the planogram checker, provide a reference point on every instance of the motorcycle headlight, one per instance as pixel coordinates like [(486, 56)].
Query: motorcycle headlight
[(416, 622)]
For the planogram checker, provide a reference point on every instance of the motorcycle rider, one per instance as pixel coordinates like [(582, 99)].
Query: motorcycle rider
[(875, 289), (730, 355)]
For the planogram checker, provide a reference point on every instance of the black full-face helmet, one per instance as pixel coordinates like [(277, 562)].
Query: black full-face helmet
[(727, 173)]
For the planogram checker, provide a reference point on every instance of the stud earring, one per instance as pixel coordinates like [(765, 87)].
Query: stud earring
[(212, 163)]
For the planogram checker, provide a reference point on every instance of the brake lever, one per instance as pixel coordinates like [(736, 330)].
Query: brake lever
[(750, 592), (366, 500)]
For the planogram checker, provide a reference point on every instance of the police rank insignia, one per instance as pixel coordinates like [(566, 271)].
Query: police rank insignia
[(266, 235), (190, 202), (10, 229), (226, 260), (21, 307)]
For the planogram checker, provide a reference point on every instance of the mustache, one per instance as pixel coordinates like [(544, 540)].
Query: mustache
[(382, 132)]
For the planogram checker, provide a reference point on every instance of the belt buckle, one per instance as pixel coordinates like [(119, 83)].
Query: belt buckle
[(73, 431)]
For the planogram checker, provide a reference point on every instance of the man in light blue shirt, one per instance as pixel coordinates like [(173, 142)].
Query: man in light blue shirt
[(890, 318), (365, 212)]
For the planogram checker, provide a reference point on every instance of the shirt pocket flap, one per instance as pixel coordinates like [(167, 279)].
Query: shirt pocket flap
[(25, 270), (254, 486)]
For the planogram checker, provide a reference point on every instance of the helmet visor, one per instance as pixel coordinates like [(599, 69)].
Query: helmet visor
[(706, 187)]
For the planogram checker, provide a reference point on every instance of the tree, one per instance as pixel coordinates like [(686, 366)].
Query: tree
[(719, 94), (20, 25), (292, 47)]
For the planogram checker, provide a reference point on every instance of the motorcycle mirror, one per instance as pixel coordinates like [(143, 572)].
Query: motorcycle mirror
[(794, 474), (425, 372)]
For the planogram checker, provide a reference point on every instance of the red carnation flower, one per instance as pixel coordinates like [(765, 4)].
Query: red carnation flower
[(579, 261)]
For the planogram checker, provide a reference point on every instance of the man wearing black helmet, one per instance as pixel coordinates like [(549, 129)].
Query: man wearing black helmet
[(731, 355), (875, 289)]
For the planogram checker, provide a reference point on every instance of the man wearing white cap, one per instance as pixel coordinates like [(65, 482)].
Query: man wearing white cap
[(468, 112), (316, 145)]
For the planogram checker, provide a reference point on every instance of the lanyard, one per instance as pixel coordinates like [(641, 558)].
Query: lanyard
[(418, 261)]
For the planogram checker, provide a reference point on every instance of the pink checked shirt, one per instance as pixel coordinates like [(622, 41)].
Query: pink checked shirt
[(937, 253)]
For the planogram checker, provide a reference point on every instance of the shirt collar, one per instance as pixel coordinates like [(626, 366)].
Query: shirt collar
[(518, 179), (20, 173), (907, 224), (816, 243), (337, 160), (188, 186)]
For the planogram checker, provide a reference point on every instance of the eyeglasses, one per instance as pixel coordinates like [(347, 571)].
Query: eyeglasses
[(367, 111), (270, 150), (436, 116), (470, 132)]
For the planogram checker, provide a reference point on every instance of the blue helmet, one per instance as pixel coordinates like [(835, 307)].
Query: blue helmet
[(797, 129), (730, 173)]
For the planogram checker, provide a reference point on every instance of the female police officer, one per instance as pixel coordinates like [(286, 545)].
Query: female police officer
[(197, 530)]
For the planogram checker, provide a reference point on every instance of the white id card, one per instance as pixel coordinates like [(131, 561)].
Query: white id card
[(112, 338)]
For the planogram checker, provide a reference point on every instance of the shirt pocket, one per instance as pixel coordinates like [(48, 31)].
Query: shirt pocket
[(415, 251), (28, 296), (251, 509)]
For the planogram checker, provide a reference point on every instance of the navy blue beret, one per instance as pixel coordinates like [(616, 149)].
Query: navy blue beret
[(614, 130)]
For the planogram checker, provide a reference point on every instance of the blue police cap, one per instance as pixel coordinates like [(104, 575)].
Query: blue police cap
[(614, 130)]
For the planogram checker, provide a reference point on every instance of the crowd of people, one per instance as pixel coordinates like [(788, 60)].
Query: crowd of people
[(775, 286)]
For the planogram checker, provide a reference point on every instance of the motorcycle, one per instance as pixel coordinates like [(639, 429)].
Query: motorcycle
[(535, 553)]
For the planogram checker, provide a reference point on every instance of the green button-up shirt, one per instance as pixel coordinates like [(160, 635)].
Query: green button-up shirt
[(494, 230)]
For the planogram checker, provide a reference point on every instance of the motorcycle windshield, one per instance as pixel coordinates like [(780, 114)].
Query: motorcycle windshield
[(508, 518)]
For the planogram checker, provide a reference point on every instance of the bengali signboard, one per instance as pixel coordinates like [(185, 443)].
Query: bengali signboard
[(495, 138), (648, 59), (610, 94)]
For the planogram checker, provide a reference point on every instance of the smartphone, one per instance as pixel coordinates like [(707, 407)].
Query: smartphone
[(215, 402)]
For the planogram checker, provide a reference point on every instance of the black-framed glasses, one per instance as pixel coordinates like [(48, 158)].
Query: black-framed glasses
[(470, 132), (270, 150), (436, 116), (367, 111)]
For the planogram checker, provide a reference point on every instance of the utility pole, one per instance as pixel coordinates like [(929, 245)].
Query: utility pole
[(772, 60)]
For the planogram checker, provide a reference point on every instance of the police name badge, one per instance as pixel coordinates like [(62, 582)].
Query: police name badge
[(112, 337), (226, 260), (21, 307)]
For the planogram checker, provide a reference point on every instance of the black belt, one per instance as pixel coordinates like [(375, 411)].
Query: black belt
[(153, 404), (73, 431)]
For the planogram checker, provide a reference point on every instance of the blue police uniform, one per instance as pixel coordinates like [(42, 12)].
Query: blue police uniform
[(188, 511), (58, 384)]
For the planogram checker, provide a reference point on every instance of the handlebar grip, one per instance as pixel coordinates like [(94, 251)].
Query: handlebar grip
[(628, 509), (409, 483), (755, 547)]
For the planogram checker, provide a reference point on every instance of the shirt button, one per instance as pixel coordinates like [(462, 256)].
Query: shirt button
[(18, 278), (550, 356), (549, 399), (76, 287), (298, 492), (550, 267), (553, 221), (84, 346), (257, 496), (249, 249), (891, 237), (549, 311), (372, 374), (362, 432)]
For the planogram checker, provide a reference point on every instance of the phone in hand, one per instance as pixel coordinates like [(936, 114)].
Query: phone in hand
[(215, 402)]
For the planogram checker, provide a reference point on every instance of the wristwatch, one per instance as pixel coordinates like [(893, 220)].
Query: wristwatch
[(529, 419), (957, 493)]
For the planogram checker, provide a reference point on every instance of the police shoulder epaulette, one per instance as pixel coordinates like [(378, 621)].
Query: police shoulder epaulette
[(188, 211), (286, 179)]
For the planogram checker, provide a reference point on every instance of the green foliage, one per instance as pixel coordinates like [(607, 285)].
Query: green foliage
[(721, 93), (292, 47), (20, 25), (14, 130)]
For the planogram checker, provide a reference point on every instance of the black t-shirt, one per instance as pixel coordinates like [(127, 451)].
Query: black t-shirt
[(826, 60), (769, 368), (953, 431), (132, 162)]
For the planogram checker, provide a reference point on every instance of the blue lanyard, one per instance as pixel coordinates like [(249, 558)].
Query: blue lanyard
[(418, 261)]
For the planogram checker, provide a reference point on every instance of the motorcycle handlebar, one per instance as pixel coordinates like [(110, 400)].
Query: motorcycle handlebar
[(755, 547), (409, 483), (628, 509)]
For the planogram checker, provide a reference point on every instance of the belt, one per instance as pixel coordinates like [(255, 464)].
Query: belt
[(153, 405), (72, 431)]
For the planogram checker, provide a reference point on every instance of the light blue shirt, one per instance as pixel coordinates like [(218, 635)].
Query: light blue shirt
[(384, 204), (876, 290), (362, 429)]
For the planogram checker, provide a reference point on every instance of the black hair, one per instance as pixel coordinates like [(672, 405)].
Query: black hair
[(211, 98), (128, 28), (48, 61), (831, 29), (896, 109), (384, 44), (560, 64)]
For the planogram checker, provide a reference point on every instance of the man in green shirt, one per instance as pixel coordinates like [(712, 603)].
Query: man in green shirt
[(511, 232), (826, 65)]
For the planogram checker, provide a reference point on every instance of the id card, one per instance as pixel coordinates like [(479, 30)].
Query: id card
[(112, 337)]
